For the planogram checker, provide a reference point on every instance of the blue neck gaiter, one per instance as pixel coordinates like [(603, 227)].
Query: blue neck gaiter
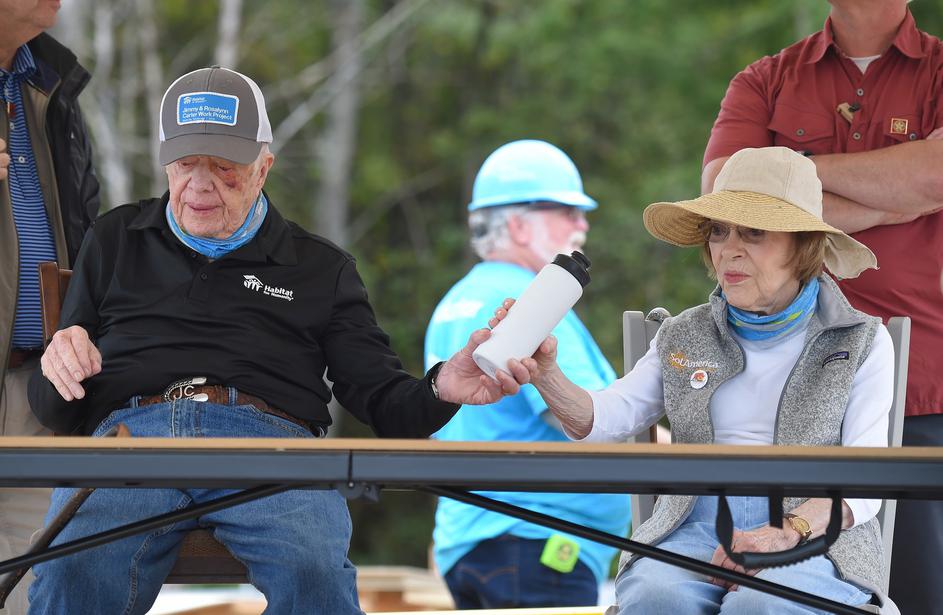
[(217, 248), (756, 328)]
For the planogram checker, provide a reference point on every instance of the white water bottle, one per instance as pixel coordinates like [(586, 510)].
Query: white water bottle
[(535, 313)]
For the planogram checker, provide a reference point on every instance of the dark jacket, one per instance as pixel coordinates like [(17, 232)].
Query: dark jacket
[(64, 162), (67, 136)]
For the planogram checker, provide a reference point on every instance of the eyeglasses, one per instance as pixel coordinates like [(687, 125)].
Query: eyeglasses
[(718, 232), (574, 214)]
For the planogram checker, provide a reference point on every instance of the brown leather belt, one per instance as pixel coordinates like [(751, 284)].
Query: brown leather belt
[(18, 357), (217, 394)]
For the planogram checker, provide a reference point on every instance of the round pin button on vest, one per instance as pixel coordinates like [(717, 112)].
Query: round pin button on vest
[(699, 379)]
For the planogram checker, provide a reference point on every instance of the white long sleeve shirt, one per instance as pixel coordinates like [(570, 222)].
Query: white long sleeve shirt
[(743, 409)]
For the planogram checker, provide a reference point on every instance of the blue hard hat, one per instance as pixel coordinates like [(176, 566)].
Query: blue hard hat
[(529, 171)]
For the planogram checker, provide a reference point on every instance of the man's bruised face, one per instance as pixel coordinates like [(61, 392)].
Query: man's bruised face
[(210, 196)]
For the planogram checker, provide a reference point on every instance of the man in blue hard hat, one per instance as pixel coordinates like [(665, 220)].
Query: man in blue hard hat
[(528, 205)]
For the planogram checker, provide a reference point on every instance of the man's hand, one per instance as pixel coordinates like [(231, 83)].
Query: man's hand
[(766, 539), (4, 160), (70, 358), (461, 381)]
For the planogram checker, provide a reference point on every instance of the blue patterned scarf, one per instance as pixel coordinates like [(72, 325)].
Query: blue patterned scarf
[(752, 327), (216, 248)]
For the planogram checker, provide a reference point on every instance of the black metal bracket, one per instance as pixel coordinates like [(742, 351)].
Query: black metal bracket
[(354, 491), (688, 563)]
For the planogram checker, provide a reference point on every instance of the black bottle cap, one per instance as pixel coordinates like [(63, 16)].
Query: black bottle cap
[(577, 264)]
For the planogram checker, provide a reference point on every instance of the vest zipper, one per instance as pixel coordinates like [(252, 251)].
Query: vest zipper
[(779, 407), (805, 350)]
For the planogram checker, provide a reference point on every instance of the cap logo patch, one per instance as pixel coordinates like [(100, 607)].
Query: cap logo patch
[(207, 108)]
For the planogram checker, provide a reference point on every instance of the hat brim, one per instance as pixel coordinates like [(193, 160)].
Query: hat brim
[(678, 223), (229, 147), (571, 198)]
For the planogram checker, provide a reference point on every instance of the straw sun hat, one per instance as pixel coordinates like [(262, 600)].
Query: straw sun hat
[(770, 188)]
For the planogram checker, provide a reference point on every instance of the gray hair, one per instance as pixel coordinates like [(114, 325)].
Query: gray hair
[(489, 228)]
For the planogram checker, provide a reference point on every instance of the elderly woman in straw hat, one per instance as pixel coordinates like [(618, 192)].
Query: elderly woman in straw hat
[(777, 356)]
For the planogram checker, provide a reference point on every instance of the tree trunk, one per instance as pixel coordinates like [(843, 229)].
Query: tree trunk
[(337, 145), (303, 111), (113, 169), (70, 27), (227, 45), (154, 87), (334, 150)]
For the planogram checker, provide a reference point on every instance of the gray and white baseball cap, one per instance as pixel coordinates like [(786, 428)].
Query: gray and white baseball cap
[(213, 112)]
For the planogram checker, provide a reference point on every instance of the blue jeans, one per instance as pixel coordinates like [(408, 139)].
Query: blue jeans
[(653, 587), (294, 544), (506, 572)]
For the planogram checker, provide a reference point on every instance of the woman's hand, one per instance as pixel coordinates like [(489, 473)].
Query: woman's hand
[(541, 364), (766, 539), (569, 403)]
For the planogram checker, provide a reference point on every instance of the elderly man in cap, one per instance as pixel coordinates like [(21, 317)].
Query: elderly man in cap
[(204, 313), (528, 204)]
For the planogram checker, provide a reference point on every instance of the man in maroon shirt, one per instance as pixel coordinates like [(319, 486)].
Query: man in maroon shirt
[(864, 98)]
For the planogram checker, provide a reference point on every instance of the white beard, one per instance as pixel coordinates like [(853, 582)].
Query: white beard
[(542, 247)]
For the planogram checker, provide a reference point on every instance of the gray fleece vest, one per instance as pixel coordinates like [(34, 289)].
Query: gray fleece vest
[(810, 411)]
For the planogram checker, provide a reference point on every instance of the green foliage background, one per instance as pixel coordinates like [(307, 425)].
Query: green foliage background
[(629, 88)]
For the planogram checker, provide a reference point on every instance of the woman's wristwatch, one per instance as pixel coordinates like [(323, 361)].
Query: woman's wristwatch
[(802, 527)]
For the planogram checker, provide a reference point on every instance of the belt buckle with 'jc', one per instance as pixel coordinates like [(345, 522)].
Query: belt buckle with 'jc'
[(183, 389)]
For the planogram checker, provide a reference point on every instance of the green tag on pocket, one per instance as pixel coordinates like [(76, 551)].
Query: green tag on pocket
[(560, 553)]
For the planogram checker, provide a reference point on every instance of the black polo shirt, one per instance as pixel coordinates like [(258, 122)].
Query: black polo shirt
[(267, 318)]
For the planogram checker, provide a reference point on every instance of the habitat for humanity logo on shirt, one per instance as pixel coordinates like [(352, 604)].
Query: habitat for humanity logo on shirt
[(253, 283)]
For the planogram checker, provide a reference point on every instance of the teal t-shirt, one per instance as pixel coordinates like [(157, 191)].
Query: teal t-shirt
[(460, 527)]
